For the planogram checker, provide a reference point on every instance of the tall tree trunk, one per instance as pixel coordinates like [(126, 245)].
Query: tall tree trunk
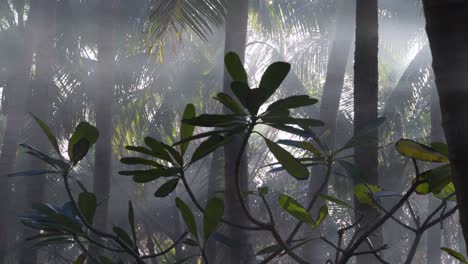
[(42, 12), (365, 106), (434, 235), (330, 102), (103, 106), (446, 24), (14, 108), (236, 38)]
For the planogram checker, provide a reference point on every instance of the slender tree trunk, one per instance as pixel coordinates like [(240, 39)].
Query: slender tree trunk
[(43, 14), (330, 102), (14, 108), (365, 106), (446, 24), (103, 106), (336, 68), (236, 38)]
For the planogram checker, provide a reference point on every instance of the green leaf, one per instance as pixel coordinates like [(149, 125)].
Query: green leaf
[(242, 92), (157, 148), (286, 120), (209, 145), (459, 256), (131, 220), (269, 249), (364, 192), (302, 145), (167, 188), (123, 235), (295, 209), (202, 135), (80, 260), (190, 242), (372, 126), (87, 203), (440, 147), (174, 153), (434, 180), (334, 200), (144, 176), (361, 133), (351, 170), (140, 149), (213, 213), (290, 164), (186, 130), (295, 131), (188, 217), (232, 243), (140, 161), (46, 129), (206, 120), (84, 137), (323, 213), (33, 173), (105, 260), (273, 77), (291, 102), (229, 102), (262, 190), (415, 150), (235, 67), (446, 192)]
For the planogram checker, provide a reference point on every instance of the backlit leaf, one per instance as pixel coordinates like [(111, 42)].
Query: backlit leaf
[(87, 203), (167, 188), (213, 213), (235, 67), (290, 164), (415, 150), (273, 77), (188, 217), (186, 130), (364, 192), (459, 256), (295, 209)]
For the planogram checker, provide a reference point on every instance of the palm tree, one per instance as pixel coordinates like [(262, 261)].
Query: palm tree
[(103, 104), (330, 102), (43, 13), (450, 62), (235, 41), (20, 59), (365, 105)]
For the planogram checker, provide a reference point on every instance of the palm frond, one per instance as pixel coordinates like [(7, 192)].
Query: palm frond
[(175, 17)]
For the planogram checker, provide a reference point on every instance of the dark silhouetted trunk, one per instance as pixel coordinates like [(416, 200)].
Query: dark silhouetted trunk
[(236, 37), (42, 12), (14, 108), (329, 105), (446, 24), (365, 107), (103, 107)]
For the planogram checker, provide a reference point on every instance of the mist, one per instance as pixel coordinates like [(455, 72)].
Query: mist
[(217, 131)]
